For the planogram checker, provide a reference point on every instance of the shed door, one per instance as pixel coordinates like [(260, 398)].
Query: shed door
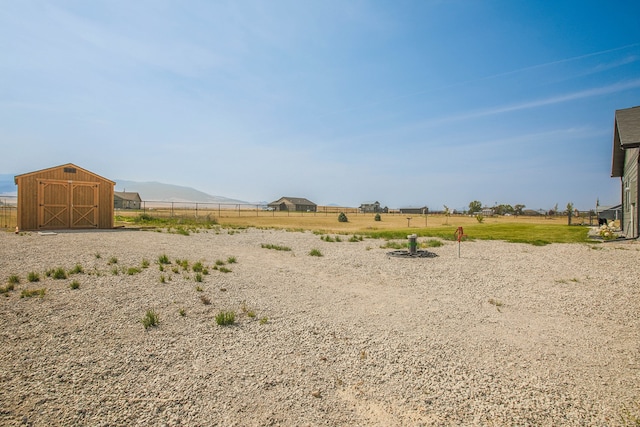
[(67, 204)]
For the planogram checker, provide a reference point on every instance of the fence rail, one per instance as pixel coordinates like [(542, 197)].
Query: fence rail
[(198, 210)]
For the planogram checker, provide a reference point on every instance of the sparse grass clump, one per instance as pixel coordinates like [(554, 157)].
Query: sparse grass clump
[(33, 277), (275, 247), (163, 279), (150, 319), (198, 277), (133, 270), (263, 320), (6, 289), (432, 243), (145, 263), (163, 259), (315, 252), (224, 270), (182, 312), (225, 318), (198, 267), (59, 273), (77, 269), (355, 238), (496, 303), (13, 279), (28, 293), (112, 260), (115, 271), (392, 244), (231, 260), (74, 285)]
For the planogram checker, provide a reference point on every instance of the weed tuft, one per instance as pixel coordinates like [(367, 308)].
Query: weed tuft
[(275, 247), (33, 277), (225, 318), (163, 259), (315, 252), (74, 285), (13, 279), (150, 319), (28, 293), (59, 273)]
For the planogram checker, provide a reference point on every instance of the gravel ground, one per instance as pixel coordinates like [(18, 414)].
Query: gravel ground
[(505, 334)]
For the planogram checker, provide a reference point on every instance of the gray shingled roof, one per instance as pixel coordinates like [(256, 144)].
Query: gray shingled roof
[(628, 123), (626, 134)]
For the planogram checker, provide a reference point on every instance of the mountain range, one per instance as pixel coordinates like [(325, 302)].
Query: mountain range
[(149, 191)]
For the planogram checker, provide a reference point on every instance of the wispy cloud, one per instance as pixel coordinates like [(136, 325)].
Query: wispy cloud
[(588, 93)]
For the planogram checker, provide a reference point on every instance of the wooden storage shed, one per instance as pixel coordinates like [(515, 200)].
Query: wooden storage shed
[(64, 197)]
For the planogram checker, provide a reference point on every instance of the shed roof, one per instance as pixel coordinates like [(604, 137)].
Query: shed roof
[(626, 134), (67, 165)]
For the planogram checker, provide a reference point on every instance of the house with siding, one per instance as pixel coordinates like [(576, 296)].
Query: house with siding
[(126, 200), (374, 207), (626, 146), (296, 204)]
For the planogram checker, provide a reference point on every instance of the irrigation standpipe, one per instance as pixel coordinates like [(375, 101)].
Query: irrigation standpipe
[(459, 234)]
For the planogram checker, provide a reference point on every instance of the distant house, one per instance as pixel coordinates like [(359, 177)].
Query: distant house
[(417, 211), (487, 212), (625, 158), (373, 208), (297, 204), (126, 200)]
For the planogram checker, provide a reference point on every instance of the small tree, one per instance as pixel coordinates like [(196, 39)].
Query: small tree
[(517, 209), (475, 207), (343, 217), (377, 217), (569, 212), (447, 213)]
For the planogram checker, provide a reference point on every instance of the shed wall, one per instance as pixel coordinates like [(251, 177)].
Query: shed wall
[(31, 193)]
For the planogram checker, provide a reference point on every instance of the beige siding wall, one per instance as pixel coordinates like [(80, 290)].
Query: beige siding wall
[(630, 193)]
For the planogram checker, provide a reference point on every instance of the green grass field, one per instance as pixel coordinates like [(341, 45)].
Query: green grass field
[(532, 230)]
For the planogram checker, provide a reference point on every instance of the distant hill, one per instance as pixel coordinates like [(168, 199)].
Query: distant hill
[(159, 192)]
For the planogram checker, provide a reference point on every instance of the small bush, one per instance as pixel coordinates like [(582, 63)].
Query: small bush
[(33, 277), (479, 218), (14, 279), (219, 262), (28, 293), (77, 269), (343, 217), (74, 285), (315, 252), (377, 217), (275, 247), (6, 289), (59, 273), (150, 319), (198, 267), (133, 270), (225, 318), (231, 260), (163, 259)]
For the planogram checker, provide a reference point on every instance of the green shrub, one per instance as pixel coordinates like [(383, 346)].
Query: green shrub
[(231, 260), (59, 273), (343, 217), (315, 252), (112, 260), (377, 217), (479, 218), (275, 247), (33, 277), (150, 319), (224, 270), (225, 318), (198, 267), (14, 279), (74, 285), (355, 238), (163, 259), (145, 263), (133, 270), (28, 293), (198, 277)]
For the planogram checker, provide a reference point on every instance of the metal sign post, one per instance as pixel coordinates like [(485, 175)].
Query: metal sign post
[(459, 234)]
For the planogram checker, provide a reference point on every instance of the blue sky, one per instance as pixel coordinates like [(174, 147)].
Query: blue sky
[(410, 103)]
